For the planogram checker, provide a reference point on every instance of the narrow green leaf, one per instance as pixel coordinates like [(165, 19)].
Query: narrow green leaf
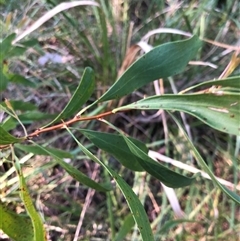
[(163, 61), (35, 115), (234, 196), (159, 171), (116, 146), (37, 223), (221, 112), (39, 151), (76, 174), (18, 227), (6, 138), (134, 203), (219, 85), (80, 96)]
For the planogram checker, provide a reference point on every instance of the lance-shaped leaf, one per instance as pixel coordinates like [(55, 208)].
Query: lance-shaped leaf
[(58, 155), (80, 96), (163, 61), (43, 151), (6, 138), (37, 222), (18, 227), (116, 146), (220, 111), (134, 203), (231, 83), (162, 173), (233, 195)]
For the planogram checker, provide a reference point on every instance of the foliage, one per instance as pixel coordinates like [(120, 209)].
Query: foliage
[(215, 103)]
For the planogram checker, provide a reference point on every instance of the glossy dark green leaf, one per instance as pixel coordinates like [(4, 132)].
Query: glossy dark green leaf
[(6, 138), (18, 227), (72, 171), (116, 146), (133, 201), (220, 111), (157, 170), (80, 96), (163, 61), (233, 195)]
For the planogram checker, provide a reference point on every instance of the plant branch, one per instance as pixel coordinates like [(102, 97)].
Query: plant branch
[(70, 122)]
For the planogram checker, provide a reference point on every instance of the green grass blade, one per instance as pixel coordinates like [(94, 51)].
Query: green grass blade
[(80, 96), (134, 203), (163, 61), (76, 174), (173, 223), (234, 196), (221, 112), (17, 227), (127, 225)]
